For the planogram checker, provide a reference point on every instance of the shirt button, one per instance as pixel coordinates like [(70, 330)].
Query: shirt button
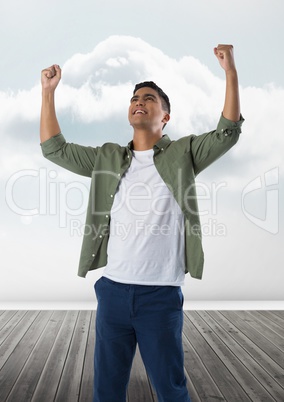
[(106, 216), (111, 195), (162, 149), (100, 236), (93, 255)]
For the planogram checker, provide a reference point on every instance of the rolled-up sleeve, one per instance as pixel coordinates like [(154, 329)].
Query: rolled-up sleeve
[(52, 145), (76, 158), (228, 127), (207, 148)]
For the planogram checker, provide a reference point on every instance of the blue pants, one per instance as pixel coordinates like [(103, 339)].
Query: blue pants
[(151, 316)]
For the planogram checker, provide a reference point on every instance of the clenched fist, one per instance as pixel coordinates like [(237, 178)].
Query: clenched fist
[(225, 55), (50, 77)]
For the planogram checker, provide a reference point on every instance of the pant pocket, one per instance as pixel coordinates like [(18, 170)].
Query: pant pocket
[(179, 297), (97, 286)]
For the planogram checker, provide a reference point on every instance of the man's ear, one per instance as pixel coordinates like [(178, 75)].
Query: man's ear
[(166, 118)]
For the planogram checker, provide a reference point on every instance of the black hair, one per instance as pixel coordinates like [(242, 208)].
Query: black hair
[(164, 98)]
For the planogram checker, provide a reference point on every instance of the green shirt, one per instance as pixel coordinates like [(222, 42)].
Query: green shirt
[(178, 162)]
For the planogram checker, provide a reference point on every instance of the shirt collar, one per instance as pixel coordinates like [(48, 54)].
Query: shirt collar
[(162, 143)]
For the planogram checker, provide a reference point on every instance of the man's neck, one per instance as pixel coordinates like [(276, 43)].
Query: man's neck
[(143, 139)]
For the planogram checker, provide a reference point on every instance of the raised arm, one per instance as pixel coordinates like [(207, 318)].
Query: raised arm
[(225, 55), (49, 126)]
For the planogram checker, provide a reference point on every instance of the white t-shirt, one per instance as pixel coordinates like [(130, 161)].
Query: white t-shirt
[(146, 243)]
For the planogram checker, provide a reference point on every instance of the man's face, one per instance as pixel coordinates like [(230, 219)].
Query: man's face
[(146, 111)]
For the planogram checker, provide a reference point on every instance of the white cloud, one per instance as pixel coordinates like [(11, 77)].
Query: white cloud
[(105, 78), (97, 86), (264, 115), (94, 101), (23, 105)]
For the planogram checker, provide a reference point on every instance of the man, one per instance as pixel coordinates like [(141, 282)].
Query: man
[(145, 230)]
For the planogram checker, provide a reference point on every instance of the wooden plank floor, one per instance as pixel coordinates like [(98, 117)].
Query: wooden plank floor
[(230, 356)]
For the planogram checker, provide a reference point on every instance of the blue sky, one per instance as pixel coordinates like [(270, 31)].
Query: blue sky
[(104, 48)]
